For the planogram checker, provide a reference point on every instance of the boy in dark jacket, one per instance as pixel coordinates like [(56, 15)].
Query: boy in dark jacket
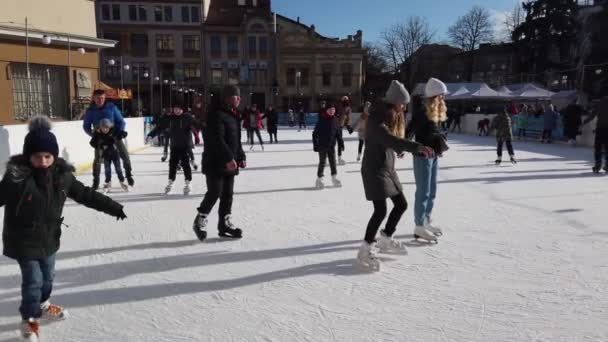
[(34, 189), (324, 139), (222, 158), (104, 139), (179, 128)]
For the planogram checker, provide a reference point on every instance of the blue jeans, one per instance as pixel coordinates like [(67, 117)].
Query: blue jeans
[(36, 284), (107, 165), (425, 173)]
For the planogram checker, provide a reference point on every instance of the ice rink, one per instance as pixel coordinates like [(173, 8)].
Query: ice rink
[(523, 258)]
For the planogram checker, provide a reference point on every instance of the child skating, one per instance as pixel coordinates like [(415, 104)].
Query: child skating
[(324, 139), (33, 190), (104, 139), (504, 134)]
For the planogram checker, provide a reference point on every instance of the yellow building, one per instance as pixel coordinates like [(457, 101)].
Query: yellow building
[(56, 41)]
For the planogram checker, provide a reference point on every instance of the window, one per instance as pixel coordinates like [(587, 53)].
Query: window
[(41, 90), (117, 37), (158, 13), (327, 71), (233, 46), (133, 12), (165, 44), (263, 47), (139, 41), (168, 13), (304, 77), (257, 28), (291, 77), (216, 46), (194, 14), (116, 12), (252, 46), (113, 71), (143, 13), (347, 74), (233, 76), (192, 70), (192, 44), (185, 14), (140, 68), (105, 12), (216, 76)]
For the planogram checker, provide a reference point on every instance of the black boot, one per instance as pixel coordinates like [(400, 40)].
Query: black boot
[(164, 157), (200, 226), (227, 229), (596, 169), (130, 180), (498, 161), (95, 185)]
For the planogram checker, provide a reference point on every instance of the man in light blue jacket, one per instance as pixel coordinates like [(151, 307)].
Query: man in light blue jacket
[(99, 110)]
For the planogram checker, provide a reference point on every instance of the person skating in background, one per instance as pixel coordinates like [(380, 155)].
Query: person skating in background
[(522, 123), (33, 191), (600, 112), (361, 126), (324, 138), (483, 126), (385, 138), (344, 121), (504, 134), (291, 118), (572, 120), (301, 118), (457, 120), (102, 109), (104, 139), (425, 128), (272, 123), (196, 127), (223, 156), (253, 124), (550, 118)]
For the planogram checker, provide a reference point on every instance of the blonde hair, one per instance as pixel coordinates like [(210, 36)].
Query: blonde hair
[(436, 109), (395, 121)]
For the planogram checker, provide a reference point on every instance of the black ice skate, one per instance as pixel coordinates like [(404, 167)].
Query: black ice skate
[(513, 160), (199, 226), (596, 169), (164, 157), (498, 161), (130, 180), (228, 230)]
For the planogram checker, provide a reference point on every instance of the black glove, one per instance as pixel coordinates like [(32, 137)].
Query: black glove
[(124, 134), (121, 216)]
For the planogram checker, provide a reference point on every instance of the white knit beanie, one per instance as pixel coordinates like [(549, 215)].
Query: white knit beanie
[(435, 87), (397, 94)]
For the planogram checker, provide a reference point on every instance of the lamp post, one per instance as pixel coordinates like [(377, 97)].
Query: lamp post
[(122, 86), (171, 94), (152, 80), (161, 92)]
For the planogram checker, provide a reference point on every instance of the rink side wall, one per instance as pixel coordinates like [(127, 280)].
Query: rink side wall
[(469, 126), (73, 141)]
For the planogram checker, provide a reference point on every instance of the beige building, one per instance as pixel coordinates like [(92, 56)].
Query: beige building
[(62, 51), (313, 67)]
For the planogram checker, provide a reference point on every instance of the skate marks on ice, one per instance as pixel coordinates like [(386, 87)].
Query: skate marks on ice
[(106, 273)]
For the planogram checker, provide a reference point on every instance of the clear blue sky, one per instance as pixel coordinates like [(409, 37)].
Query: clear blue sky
[(339, 18)]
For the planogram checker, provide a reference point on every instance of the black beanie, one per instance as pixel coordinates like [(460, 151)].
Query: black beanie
[(231, 90), (40, 138)]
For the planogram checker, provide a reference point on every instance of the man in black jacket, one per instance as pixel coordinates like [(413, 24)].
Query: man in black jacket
[(222, 157)]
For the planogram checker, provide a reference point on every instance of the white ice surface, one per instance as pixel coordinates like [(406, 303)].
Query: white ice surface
[(524, 256)]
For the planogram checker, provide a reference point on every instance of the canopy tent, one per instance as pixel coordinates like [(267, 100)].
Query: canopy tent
[(505, 91), (485, 92), (115, 94), (532, 91), (452, 87), (461, 94)]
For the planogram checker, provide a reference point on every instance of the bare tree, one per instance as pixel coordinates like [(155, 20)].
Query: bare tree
[(513, 20), (473, 28), (402, 40), (469, 31)]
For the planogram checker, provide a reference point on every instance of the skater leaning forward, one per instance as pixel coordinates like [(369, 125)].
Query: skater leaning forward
[(425, 127), (385, 138), (34, 190), (223, 156)]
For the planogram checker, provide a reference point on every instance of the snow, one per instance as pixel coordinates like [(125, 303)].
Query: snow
[(523, 257)]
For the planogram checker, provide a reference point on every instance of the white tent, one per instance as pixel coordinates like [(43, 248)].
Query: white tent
[(461, 93), (505, 90), (485, 92), (531, 91)]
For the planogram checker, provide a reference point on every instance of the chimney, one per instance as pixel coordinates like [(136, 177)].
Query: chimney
[(298, 20)]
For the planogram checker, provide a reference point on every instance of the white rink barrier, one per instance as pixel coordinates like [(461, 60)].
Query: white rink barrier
[(73, 141)]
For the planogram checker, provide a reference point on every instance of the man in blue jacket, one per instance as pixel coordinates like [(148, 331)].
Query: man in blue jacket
[(99, 110)]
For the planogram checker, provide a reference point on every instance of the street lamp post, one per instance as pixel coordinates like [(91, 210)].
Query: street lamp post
[(171, 94)]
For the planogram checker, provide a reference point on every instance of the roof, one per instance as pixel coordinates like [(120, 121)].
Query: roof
[(229, 13), (59, 38)]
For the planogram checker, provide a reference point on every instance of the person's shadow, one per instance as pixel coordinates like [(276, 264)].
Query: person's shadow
[(5, 148)]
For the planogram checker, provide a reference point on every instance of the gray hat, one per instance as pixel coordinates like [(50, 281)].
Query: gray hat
[(397, 94), (231, 90), (106, 123)]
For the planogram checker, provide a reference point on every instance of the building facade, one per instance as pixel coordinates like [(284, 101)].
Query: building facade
[(158, 55), (49, 60)]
